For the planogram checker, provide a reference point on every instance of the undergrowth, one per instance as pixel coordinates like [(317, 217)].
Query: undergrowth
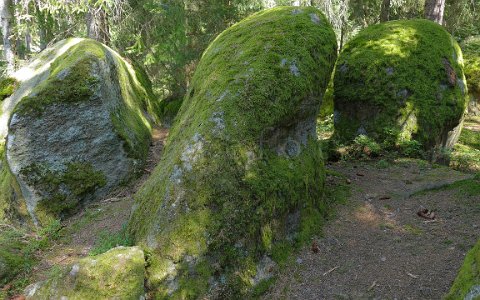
[(108, 240), (18, 253)]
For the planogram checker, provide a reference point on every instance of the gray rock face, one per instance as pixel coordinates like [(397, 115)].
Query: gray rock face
[(474, 293), (78, 133)]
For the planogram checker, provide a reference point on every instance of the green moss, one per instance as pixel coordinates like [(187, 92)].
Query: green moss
[(222, 194), (471, 51), (468, 276), (71, 76), (62, 191), (116, 274), (12, 206), (404, 77), (7, 87)]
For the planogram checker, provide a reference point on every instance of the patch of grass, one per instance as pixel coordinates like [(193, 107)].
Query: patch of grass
[(382, 164), (108, 240), (412, 229), (467, 188), (18, 252)]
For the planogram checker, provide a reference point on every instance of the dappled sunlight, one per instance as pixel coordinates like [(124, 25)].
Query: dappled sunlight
[(400, 43), (31, 76), (368, 215)]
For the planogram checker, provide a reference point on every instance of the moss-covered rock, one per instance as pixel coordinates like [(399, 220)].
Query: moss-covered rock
[(241, 177), (401, 81), (77, 126), (471, 51), (467, 283), (116, 274)]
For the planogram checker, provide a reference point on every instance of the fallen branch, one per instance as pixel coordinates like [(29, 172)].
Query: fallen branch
[(411, 275), (330, 271)]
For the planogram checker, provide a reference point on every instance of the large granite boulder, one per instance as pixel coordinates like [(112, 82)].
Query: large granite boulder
[(471, 51), (241, 177), (77, 126), (401, 81), (116, 274)]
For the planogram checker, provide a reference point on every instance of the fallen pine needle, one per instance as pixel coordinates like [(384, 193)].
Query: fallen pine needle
[(372, 286), (330, 271), (413, 276)]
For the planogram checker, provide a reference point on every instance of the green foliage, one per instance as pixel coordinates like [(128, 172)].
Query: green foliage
[(468, 276), (385, 78), (108, 240), (471, 52), (19, 249), (7, 87)]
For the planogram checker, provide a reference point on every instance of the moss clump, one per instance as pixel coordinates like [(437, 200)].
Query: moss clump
[(62, 190), (7, 87), (116, 274), (12, 208), (242, 170), (468, 276), (471, 51), (402, 77)]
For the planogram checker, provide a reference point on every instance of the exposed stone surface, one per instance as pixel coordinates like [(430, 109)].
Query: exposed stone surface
[(116, 274), (242, 155), (401, 80), (77, 129)]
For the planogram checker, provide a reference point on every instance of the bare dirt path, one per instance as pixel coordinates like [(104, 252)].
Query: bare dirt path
[(108, 216), (377, 247)]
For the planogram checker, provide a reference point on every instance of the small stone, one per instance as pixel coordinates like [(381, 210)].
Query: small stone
[(383, 258), (348, 181), (299, 261)]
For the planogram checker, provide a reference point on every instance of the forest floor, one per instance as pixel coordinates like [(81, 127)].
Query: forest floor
[(375, 246)]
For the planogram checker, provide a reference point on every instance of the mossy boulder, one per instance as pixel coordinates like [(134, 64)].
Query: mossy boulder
[(471, 51), (241, 177), (467, 283), (116, 274), (77, 126), (401, 81)]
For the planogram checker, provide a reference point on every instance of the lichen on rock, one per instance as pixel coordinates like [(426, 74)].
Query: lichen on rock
[(116, 274), (242, 157), (77, 129), (401, 78)]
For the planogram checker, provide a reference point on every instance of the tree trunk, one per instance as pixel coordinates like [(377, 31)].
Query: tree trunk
[(6, 16), (97, 25), (434, 10), (385, 12)]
